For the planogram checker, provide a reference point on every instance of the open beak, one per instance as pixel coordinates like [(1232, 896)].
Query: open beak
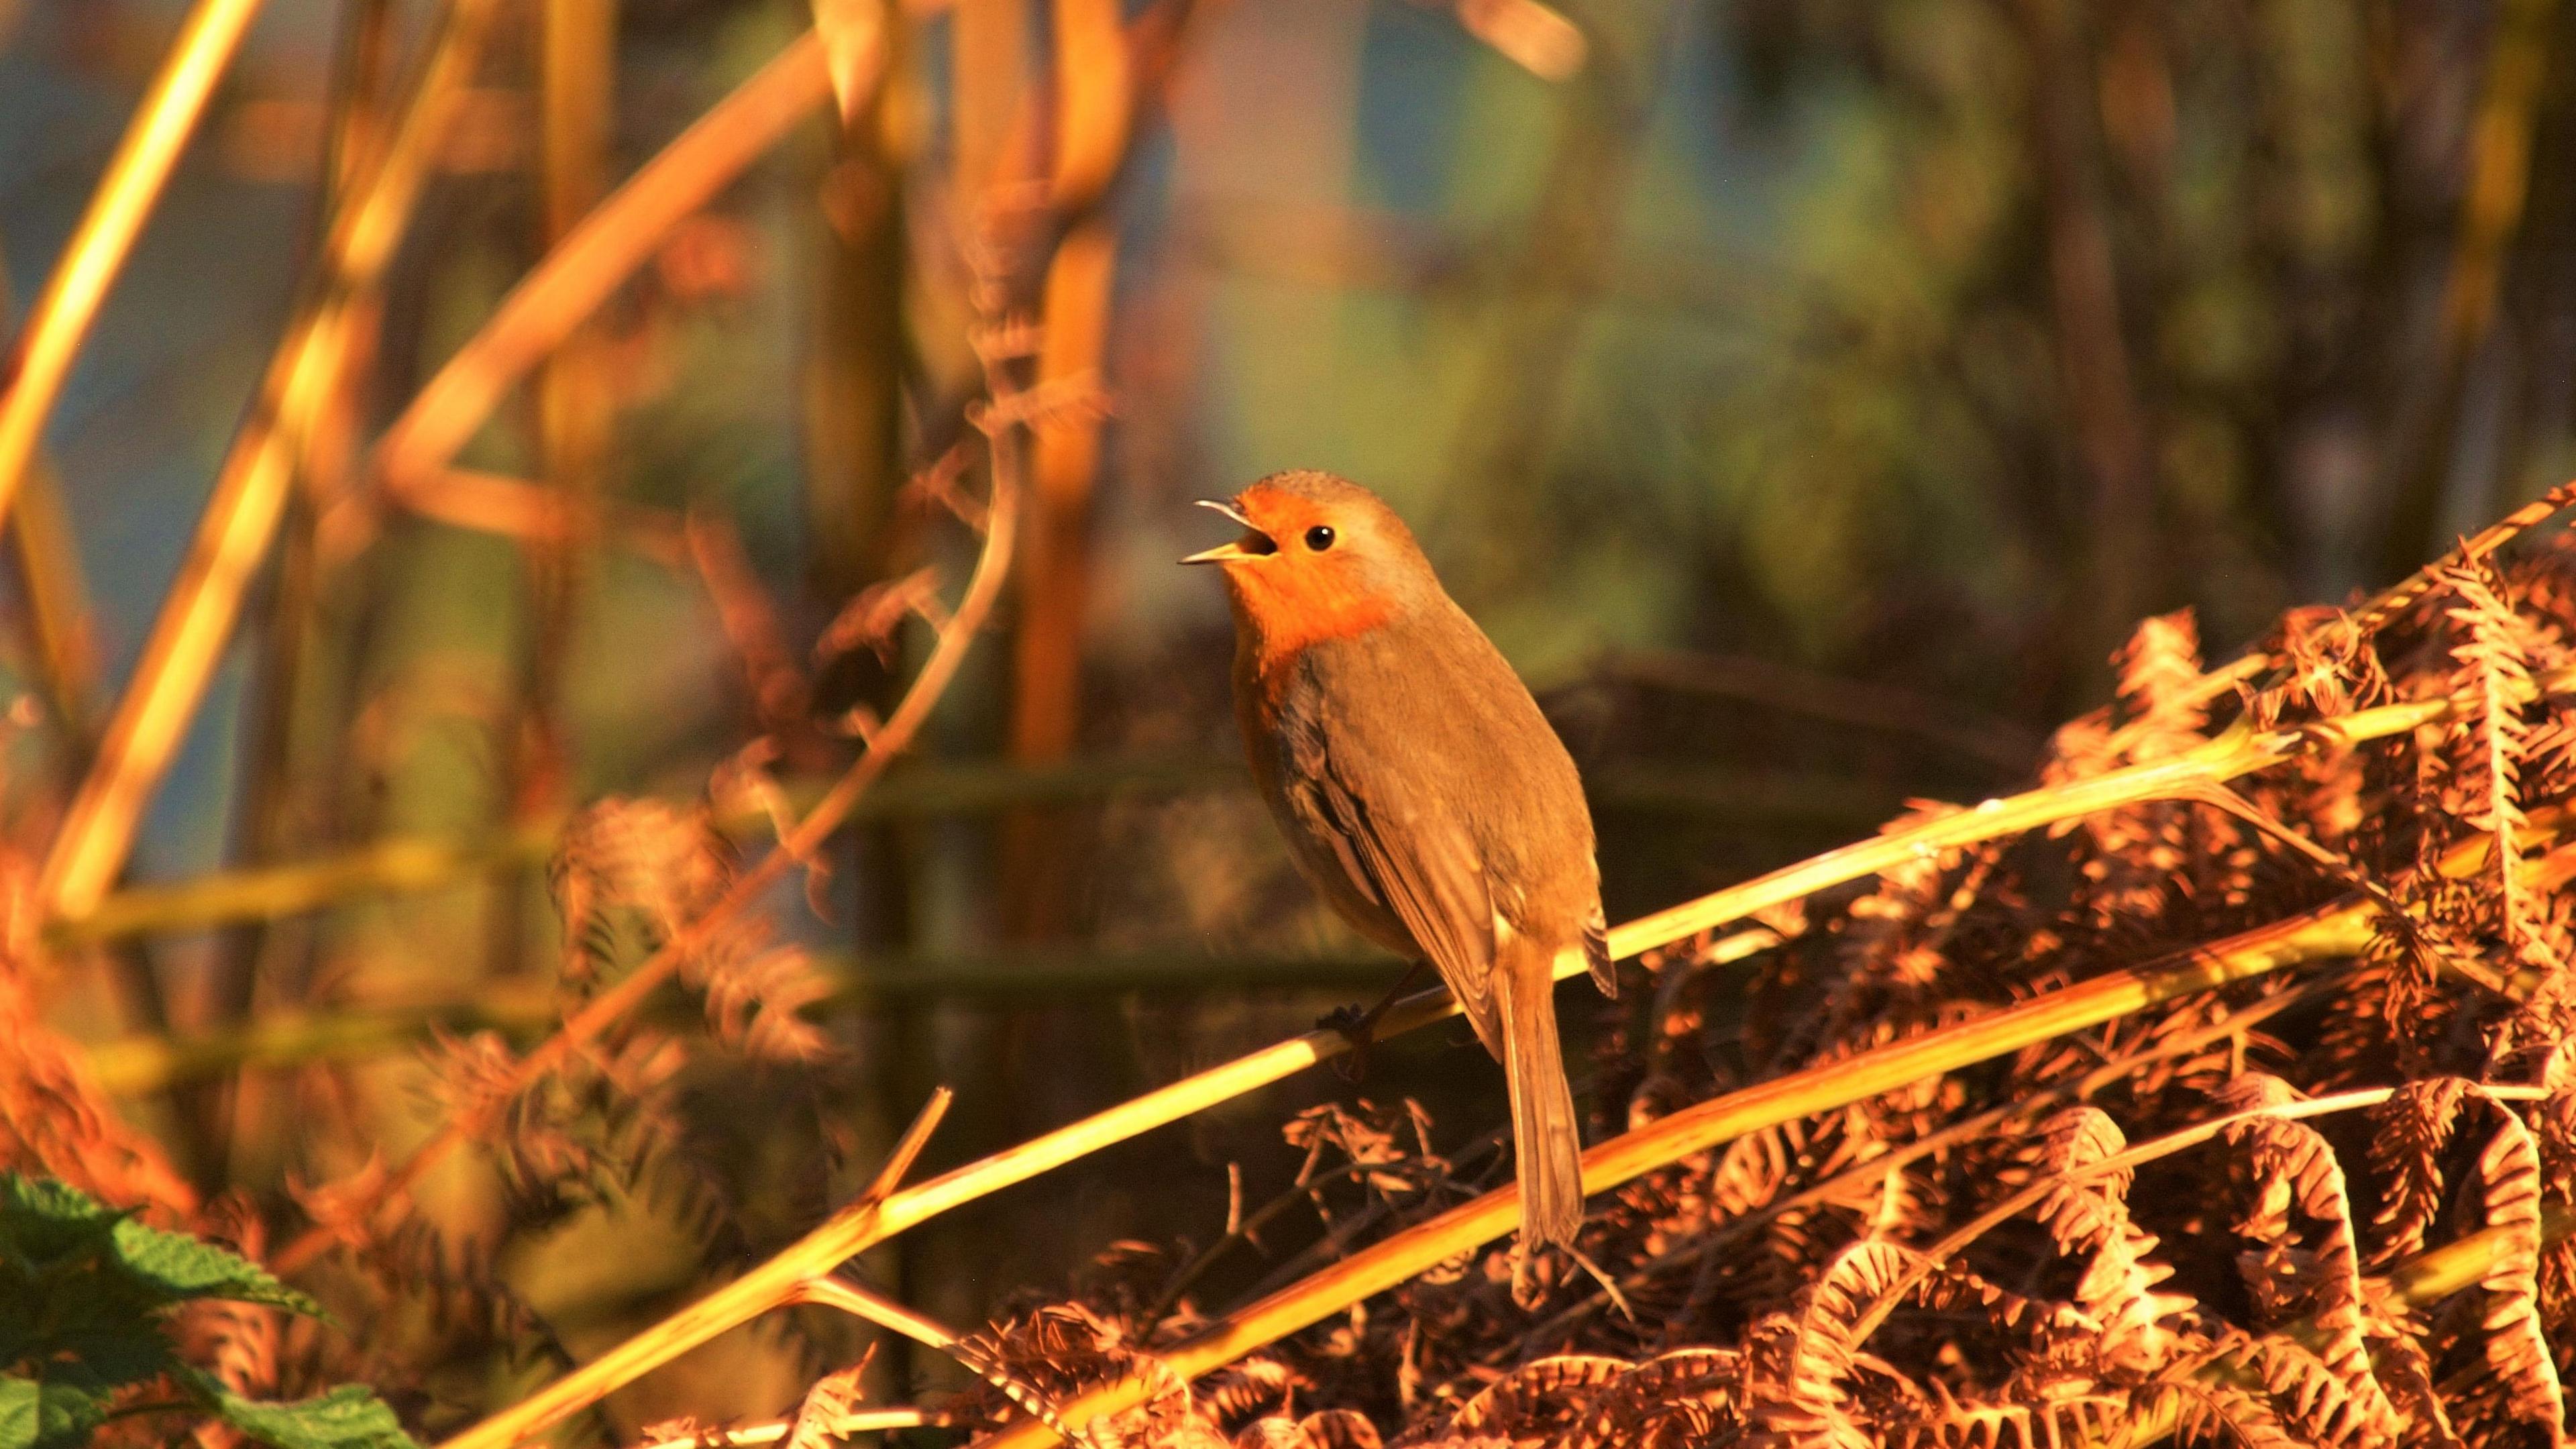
[(1228, 552)]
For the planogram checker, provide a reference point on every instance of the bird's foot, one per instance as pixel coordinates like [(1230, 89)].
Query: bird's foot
[(1356, 1027)]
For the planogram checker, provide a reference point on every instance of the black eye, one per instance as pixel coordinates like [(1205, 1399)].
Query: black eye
[(1319, 538)]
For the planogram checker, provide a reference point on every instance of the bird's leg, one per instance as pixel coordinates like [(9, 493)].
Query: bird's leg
[(1359, 1028)]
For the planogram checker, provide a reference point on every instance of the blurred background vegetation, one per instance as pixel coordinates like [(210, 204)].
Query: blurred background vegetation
[(1808, 397)]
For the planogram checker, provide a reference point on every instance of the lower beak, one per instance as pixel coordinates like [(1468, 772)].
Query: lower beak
[(1224, 552)]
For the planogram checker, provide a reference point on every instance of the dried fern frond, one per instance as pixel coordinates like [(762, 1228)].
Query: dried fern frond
[(827, 1401), (2518, 1379), (2494, 656), (2293, 1174), (1797, 1366), (2089, 1214), (2159, 674)]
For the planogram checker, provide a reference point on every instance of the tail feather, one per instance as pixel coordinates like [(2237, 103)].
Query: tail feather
[(1549, 1139)]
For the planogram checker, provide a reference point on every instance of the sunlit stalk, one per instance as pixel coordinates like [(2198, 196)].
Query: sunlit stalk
[(64, 310)]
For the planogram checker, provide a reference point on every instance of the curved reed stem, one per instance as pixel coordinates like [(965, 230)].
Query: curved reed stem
[(595, 258)]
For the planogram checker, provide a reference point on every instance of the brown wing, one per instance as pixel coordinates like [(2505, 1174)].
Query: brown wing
[(1424, 866), (1596, 951)]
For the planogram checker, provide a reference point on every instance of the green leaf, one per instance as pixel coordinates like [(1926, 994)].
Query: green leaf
[(83, 1291), (43, 1223), (77, 1277), (348, 1417), (36, 1415), (182, 1267)]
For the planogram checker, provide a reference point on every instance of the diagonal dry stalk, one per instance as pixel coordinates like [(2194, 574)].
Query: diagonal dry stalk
[(580, 274), (32, 373), (2238, 752), (250, 493), (858, 1421)]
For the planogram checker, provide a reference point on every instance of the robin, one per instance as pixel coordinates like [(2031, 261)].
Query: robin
[(1419, 787)]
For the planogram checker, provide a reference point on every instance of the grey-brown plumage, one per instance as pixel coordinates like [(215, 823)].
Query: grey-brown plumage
[(1419, 787)]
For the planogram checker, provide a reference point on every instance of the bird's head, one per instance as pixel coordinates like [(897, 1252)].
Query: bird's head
[(1320, 558)]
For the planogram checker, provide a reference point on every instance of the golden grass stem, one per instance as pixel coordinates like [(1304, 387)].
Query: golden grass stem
[(860, 1421), (70, 301), (828, 1291), (907, 1149), (410, 865), (2237, 752), (249, 497)]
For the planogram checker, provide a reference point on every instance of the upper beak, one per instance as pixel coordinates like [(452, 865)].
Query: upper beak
[(1224, 552)]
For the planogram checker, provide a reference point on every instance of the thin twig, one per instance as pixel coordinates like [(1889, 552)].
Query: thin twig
[(983, 588), (830, 1290), (859, 1301), (861, 1421)]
